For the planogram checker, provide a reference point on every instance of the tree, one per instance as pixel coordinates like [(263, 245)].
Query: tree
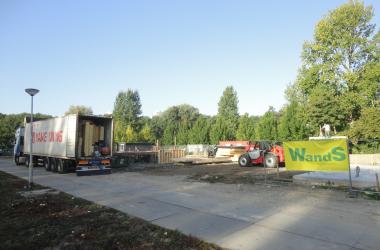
[(267, 126), (79, 109), (227, 117), (367, 127), (127, 111), (246, 129), (9, 124), (174, 124), (130, 134), (338, 54), (199, 133), (182, 136), (323, 107), (157, 127), (292, 122), (146, 134)]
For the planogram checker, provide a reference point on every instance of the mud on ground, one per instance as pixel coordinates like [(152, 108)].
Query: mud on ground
[(47, 220), (224, 173)]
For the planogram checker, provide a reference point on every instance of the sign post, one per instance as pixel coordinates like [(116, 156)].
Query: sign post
[(349, 167)]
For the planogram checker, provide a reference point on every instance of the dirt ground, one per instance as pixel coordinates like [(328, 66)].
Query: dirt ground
[(234, 174), (224, 173), (60, 221)]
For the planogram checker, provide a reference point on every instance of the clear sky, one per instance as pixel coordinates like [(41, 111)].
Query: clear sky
[(84, 52)]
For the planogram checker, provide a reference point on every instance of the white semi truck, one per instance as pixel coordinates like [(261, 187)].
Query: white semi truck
[(64, 143)]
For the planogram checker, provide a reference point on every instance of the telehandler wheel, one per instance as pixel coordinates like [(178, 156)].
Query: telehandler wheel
[(271, 161), (245, 160)]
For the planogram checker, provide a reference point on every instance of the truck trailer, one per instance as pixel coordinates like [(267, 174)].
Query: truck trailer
[(72, 142)]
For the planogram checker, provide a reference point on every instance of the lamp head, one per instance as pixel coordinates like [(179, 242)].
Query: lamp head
[(32, 92)]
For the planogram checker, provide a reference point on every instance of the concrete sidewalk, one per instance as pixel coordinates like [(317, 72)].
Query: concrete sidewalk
[(365, 178), (233, 216)]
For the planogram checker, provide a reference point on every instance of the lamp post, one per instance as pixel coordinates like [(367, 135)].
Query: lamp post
[(31, 92)]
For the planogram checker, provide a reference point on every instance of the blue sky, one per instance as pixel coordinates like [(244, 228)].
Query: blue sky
[(172, 52)]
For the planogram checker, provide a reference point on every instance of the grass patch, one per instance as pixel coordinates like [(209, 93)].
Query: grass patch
[(367, 193), (371, 194), (65, 222)]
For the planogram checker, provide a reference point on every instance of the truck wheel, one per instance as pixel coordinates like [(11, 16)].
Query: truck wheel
[(270, 161), (244, 160), (17, 160), (60, 166), (47, 164)]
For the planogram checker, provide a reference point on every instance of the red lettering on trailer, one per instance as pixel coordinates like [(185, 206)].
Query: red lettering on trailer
[(59, 136), (47, 136)]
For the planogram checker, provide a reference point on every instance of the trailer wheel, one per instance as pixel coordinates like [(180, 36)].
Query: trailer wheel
[(66, 165), (27, 160), (53, 163), (244, 160), (271, 161), (47, 164), (60, 166)]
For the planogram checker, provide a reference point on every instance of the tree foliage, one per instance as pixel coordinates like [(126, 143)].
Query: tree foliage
[(146, 134), (200, 132), (340, 71), (9, 124), (79, 109), (126, 112), (227, 118), (246, 128), (367, 127), (174, 124), (267, 127), (292, 122)]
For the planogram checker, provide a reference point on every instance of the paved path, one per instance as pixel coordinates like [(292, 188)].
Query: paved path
[(233, 216)]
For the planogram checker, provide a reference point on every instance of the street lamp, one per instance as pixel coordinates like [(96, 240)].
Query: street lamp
[(31, 92)]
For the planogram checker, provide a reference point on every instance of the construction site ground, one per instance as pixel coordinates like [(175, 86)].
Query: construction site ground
[(234, 216), (230, 173)]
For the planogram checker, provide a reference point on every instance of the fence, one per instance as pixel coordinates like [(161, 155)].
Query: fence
[(166, 155)]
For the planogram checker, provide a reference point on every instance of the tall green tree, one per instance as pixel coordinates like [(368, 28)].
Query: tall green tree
[(337, 58), (199, 133), (267, 126), (367, 127), (292, 123), (127, 111), (246, 128), (174, 124), (79, 109), (323, 107), (227, 118)]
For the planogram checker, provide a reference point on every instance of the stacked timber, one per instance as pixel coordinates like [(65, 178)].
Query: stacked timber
[(232, 149), (92, 135)]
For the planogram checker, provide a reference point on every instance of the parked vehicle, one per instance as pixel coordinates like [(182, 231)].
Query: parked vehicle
[(262, 152), (69, 142)]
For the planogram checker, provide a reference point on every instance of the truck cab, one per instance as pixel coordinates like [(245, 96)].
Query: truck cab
[(18, 149)]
